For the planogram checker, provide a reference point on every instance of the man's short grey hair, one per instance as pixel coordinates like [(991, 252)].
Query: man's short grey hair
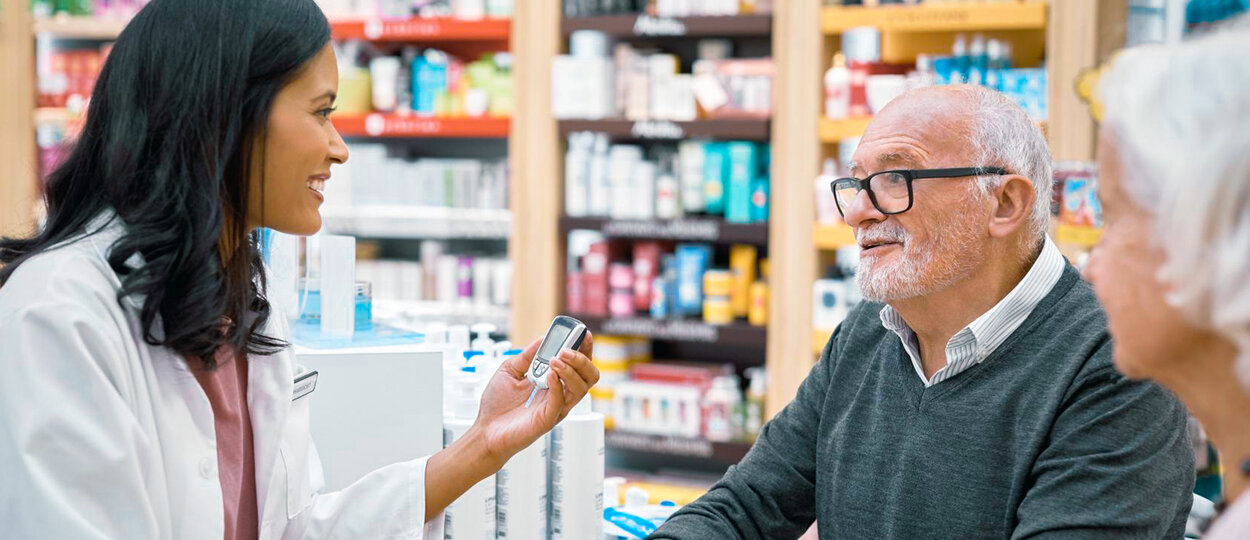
[(1178, 114), (1002, 135)]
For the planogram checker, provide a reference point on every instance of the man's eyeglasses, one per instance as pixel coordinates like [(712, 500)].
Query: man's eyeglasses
[(891, 192)]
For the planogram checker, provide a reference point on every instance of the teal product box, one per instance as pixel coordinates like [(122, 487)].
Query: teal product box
[(760, 186), (429, 79), (715, 172), (742, 170), (759, 200), (692, 262)]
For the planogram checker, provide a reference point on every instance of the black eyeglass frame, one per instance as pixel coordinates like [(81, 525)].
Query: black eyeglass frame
[(910, 175)]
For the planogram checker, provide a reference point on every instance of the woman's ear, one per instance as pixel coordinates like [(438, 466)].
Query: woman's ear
[(1013, 203)]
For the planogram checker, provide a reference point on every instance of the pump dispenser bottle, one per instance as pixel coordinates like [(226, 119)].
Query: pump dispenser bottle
[(472, 516)]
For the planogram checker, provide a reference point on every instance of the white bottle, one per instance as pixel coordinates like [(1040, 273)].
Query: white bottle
[(719, 406), (577, 175), (826, 203), (468, 9), (690, 170), (500, 8), (483, 342), (667, 195), (472, 516), (644, 195), (521, 494), (577, 475), (623, 169), (383, 71), (598, 190), (838, 89)]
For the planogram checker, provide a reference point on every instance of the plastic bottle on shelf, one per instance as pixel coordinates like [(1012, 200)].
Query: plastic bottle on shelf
[(576, 468), (483, 342), (719, 404), (470, 10), (924, 75), (521, 494), (753, 419), (979, 60), (473, 514), (963, 62), (837, 89), (826, 204)]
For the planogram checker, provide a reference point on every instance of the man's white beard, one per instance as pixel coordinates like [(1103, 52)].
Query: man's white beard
[(921, 270)]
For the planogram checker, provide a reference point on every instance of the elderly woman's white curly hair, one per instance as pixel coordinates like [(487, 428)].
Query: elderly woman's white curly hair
[(1181, 117)]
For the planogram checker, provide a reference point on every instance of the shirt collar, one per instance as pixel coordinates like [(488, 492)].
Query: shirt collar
[(993, 327)]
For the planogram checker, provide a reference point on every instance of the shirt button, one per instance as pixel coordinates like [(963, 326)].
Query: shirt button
[(207, 468)]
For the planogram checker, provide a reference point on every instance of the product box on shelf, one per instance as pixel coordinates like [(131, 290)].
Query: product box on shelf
[(692, 261)]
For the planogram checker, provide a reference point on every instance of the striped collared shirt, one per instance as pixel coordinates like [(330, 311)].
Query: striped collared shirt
[(976, 341)]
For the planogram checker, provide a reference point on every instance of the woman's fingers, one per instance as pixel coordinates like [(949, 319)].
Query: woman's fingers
[(574, 383), (588, 345), (554, 403), (582, 365), (517, 365)]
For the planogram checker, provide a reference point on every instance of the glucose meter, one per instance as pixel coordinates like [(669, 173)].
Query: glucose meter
[(564, 333)]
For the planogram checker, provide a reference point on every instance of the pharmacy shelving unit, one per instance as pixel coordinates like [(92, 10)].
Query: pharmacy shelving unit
[(541, 231), (397, 226), (19, 118)]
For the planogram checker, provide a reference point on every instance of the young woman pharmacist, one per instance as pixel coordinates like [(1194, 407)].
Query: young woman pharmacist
[(147, 387)]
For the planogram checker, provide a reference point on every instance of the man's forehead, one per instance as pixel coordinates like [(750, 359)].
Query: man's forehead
[(893, 157)]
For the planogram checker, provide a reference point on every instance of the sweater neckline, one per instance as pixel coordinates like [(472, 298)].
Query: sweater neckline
[(1043, 311)]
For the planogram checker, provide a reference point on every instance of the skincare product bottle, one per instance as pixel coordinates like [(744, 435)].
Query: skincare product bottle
[(521, 494), (826, 204), (473, 514), (837, 89), (576, 469)]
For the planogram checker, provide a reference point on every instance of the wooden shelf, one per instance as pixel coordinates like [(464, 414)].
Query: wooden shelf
[(685, 230), (720, 453), (412, 126), (422, 29), (831, 237), (747, 129), (937, 18), (638, 25), (95, 28), (738, 334), (833, 131)]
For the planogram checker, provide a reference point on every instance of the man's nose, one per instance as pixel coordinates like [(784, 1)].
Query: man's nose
[(861, 211)]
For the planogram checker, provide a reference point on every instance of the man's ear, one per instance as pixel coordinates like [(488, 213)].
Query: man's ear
[(1013, 203)]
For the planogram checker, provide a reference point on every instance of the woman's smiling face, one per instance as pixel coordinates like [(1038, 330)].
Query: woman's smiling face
[(300, 144)]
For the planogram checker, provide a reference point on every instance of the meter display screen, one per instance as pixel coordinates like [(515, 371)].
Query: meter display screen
[(553, 341)]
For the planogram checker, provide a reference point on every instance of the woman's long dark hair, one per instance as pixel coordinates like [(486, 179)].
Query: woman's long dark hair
[(180, 104)]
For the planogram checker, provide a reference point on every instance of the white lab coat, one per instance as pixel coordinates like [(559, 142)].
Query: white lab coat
[(105, 436)]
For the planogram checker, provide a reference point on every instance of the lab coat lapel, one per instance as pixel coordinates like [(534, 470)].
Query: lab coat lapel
[(270, 381)]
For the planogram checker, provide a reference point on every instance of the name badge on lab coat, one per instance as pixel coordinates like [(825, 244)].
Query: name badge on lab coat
[(305, 383)]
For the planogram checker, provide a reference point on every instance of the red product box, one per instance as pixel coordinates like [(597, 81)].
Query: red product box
[(697, 375), (595, 279), (575, 293), (860, 71), (646, 267)]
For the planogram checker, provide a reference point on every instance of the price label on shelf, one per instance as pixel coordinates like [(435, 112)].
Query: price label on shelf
[(647, 25), (651, 129)]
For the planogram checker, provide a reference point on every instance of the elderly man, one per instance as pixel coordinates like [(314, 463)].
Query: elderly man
[(973, 396)]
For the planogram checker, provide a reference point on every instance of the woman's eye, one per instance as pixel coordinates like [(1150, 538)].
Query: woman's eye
[(325, 113)]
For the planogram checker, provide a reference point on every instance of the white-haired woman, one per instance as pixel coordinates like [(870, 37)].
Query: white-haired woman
[(1173, 269)]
